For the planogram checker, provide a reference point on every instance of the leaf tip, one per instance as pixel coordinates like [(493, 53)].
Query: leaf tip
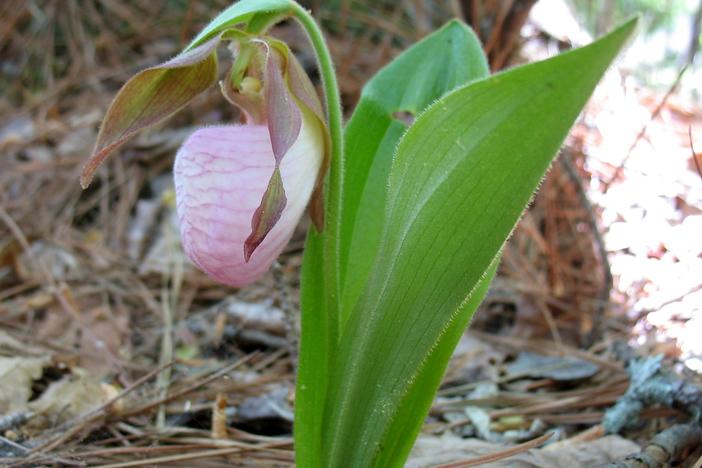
[(86, 175)]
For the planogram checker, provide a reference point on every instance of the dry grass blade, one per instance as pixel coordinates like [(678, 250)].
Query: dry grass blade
[(190, 456), (74, 427), (551, 349), (177, 394), (501, 455)]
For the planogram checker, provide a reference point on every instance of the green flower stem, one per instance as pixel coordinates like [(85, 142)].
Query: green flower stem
[(335, 181)]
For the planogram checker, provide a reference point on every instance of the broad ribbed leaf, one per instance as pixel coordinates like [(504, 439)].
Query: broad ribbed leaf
[(400, 435), (447, 58), (450, 57), (318, 342), (461, 178)]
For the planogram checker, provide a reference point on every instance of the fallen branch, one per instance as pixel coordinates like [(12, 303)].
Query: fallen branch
[(673, 445), (650, 385)]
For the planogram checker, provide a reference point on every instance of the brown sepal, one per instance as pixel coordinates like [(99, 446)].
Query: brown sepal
[(151, 96)]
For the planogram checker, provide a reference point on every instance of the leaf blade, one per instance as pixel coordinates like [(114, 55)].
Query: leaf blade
[(371, 135), (405, 427), (449, 57), (432, 249), (318, 340)]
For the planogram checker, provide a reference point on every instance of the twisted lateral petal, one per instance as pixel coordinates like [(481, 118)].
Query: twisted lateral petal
[(221, 174)]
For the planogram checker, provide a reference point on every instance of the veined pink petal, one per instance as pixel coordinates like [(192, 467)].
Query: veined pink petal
[(220, 176)]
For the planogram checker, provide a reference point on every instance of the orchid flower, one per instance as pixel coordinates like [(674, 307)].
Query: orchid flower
[(240, 189)]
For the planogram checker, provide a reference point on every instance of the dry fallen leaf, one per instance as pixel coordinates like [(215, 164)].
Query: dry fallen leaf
[(566, 368), (76, 393), (16, 376), (66, 399), (432, 451), (99, 339)]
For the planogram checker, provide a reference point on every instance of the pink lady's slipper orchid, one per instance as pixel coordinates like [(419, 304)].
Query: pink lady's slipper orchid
[(221, 175), (240, 189)]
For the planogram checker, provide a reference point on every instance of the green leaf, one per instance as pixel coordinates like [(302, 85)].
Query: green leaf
[(318, 340), (461, 178), (257, 13), (450, 57), (447, 58), (400, 435), (151, 96)]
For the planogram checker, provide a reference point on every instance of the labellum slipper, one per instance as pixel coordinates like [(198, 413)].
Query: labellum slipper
[(221, 176)]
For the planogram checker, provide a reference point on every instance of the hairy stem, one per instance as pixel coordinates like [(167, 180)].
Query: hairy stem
[(335, 181)]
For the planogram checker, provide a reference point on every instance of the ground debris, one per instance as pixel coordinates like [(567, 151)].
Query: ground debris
[(557, 368), (36, 393), (16, 377), (668, 447), (17, 131), (271, 405), (450, 448), (13, 420), (652, 385)]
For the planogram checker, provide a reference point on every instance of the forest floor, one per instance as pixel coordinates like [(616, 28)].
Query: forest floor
[(115, 351)]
